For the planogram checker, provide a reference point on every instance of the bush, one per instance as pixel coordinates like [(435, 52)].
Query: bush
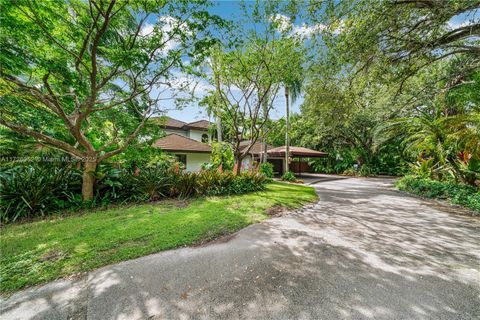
[(28, 190), (266, 169), (222, 156), (456, 193), (247, 182), (184, 184), (289, 176), (149, 183)]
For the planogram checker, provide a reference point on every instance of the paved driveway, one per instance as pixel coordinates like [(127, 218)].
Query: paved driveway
[(364, 251)]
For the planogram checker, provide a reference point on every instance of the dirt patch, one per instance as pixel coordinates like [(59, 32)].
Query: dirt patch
[(276, 211)]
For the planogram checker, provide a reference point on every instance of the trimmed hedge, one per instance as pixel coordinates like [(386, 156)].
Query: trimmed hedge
[(455, 193)]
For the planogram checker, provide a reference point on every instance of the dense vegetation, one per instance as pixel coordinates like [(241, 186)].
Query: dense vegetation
[(389, 87), (455, 193), (394, 88), (29, 191)]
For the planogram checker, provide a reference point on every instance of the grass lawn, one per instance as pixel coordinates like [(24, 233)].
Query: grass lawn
[(36, 252)]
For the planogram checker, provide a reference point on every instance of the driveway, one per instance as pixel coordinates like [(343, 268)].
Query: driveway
[(364, 251)]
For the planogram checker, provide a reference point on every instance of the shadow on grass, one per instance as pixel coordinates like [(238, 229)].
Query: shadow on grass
[(362, 252)]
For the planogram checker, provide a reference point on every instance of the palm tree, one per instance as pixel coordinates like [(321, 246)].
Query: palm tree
[(293, 89)]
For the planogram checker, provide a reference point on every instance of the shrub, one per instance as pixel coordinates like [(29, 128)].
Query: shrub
[(214, 182), (247, 182), (456, 193), (266, 169), (184, 184), (149, 183), (222, 155), (28, 190), (37, 190), (289, 176)]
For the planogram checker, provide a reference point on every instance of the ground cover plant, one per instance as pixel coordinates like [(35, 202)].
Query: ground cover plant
[(59, 246), (464, 195)]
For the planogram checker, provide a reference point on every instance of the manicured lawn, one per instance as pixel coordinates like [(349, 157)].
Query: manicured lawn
[(36, 252)]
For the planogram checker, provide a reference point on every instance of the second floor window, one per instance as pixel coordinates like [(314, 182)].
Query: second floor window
[(205, 138)]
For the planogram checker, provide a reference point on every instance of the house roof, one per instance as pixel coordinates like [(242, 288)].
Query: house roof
[(256, 149), (179, 143), (199, 125), (296, 152), (171, 123)]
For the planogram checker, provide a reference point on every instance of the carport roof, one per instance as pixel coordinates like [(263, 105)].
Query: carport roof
[(296, 152)]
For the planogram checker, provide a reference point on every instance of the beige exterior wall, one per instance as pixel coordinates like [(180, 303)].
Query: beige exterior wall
[(197, 135), (180, 132), (195, 160)]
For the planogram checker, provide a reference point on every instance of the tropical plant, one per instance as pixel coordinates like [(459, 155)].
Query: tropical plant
[(83, 76), (289, 176), (266, 169), (35, 190), (222, 156)]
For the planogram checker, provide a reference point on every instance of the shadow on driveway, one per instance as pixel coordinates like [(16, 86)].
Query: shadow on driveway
[(364, 251)]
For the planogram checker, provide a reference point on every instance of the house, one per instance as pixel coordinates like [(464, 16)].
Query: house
[(276, 156), (189, 142)]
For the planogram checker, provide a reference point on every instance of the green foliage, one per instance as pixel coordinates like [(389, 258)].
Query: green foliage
[(184, 184), (266, 169), (147, 184), (81, 78), (222, 156), (464, 195), (289, 176), (215, 182), (29, 190)]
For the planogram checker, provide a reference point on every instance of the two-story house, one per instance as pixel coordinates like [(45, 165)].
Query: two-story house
[(189, 142)]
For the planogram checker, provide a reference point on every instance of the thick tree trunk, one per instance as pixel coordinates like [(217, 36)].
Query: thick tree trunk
[(88, 180)]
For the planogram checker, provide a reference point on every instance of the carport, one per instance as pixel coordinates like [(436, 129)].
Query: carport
[(295, 152)]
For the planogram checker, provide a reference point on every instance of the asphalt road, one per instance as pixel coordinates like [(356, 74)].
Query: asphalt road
[(364, 251)]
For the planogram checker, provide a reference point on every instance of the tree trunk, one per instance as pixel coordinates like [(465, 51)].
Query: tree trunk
[(219, 128), (265, 130), (88, 180), (287, 128), (238, 165)]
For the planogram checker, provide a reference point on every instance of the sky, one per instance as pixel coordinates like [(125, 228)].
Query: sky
[(228, 10)]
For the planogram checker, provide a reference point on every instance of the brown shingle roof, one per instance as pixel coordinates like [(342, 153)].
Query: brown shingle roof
[(176, 142), (296, 152), (169, 123), (199, 125)]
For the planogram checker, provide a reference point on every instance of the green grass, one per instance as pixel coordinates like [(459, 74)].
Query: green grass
[(41, 251)]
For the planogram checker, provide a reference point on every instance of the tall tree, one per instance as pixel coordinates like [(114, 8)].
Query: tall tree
[(84, 76), (246, 80)]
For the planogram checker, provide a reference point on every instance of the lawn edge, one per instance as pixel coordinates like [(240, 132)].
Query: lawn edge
[(196, 244)]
